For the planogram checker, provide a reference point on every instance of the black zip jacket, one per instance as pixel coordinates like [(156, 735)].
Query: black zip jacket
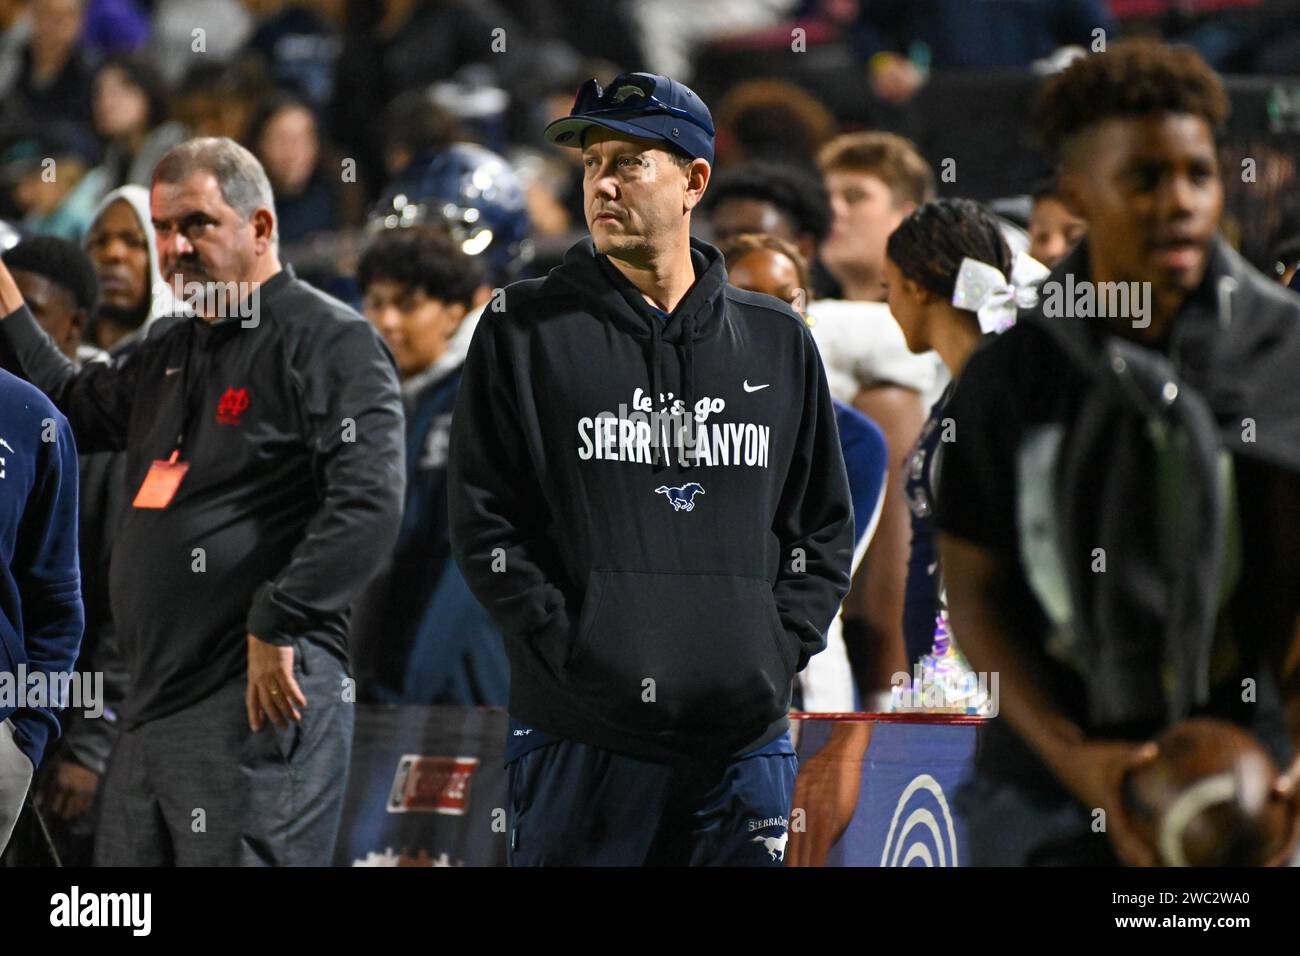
[(294, 434), (657, 598)]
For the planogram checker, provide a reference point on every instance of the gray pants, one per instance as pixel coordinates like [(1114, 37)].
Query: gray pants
[(15, 778), (198, 788)]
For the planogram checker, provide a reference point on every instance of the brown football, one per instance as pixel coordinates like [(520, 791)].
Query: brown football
[(1204, 800)]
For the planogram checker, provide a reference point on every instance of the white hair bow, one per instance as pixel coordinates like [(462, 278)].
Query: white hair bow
[(982, 289)]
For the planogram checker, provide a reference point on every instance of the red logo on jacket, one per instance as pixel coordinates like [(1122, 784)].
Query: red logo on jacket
[(233, 404)]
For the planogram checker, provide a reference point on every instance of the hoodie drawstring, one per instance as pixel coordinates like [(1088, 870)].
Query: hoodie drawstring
[(686, 352), (688, 380), (661, 449)]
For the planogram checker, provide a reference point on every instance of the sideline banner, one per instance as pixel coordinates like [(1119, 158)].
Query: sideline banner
[(877, 789), (426, 788)]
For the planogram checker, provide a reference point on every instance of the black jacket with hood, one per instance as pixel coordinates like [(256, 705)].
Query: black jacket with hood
[(657, 596)]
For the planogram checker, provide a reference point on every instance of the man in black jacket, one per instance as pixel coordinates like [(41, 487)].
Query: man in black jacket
[(647, 493), (265, 463), (1120, 570)]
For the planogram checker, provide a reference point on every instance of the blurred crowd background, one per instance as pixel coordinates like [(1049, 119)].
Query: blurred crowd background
[(339, 97), (372, 114)]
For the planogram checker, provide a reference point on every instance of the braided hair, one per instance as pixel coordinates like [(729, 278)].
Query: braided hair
[(930, 244)]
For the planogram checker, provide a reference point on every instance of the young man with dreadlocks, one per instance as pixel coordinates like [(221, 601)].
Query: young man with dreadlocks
[(1120, 510)]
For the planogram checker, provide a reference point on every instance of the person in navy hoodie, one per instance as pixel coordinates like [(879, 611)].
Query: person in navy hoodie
[(41, 616), (57, 281), (419, 635)]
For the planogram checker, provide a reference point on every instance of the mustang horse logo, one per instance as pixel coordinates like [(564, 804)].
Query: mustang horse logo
[(775, 846), (683, 498)]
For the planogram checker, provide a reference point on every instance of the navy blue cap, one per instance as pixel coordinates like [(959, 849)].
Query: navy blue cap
[(644, 105)]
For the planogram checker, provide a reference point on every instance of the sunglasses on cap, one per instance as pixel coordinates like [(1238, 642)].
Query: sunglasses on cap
[(627, 101)]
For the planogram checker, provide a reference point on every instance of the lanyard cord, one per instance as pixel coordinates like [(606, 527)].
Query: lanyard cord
[(185, 397)]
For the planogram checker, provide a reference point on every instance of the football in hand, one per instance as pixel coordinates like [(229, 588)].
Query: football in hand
[(1205, 800)]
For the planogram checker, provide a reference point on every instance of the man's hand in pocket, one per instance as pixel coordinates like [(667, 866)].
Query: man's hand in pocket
[(272, 691)]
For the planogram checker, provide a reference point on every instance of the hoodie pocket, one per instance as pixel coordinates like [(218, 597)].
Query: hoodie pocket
[(683, 652)]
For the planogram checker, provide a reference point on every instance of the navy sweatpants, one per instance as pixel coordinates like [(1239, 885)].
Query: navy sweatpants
[(575, 805)]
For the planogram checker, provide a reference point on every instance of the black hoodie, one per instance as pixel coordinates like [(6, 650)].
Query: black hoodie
[(658, 596)]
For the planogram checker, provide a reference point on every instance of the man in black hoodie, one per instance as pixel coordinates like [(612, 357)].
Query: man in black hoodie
[(647, 493)]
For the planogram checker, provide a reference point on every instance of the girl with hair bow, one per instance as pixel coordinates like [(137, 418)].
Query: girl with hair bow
[(952, 279)]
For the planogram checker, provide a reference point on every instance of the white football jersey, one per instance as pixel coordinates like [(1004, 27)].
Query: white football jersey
[(862, 346)]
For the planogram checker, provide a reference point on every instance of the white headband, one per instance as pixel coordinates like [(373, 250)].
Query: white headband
[(982, 289)]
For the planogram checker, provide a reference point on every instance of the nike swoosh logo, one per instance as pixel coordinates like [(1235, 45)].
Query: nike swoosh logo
[(172, 371), (753, 388)]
